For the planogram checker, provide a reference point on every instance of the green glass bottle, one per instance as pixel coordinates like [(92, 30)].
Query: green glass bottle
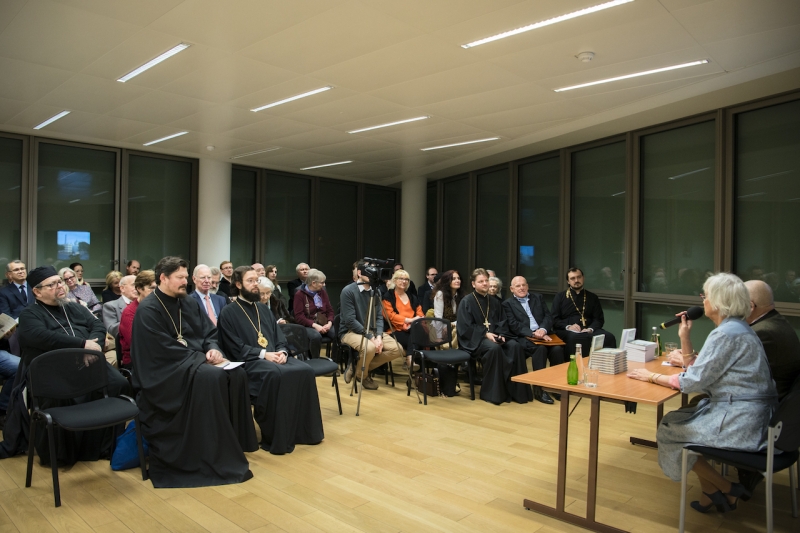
[(572, 371)]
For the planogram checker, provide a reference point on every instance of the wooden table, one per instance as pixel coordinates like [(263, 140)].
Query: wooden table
[(616, 388)]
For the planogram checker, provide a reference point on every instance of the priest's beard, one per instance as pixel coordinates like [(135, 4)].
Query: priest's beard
[(251, 296), (63, 300)]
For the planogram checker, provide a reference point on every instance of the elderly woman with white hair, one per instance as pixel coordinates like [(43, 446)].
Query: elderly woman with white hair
[(312, 309), (732, 369), (266, 290)]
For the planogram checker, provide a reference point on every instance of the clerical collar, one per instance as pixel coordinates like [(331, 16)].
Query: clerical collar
[(163, 295), (476, 293), (245, 300)]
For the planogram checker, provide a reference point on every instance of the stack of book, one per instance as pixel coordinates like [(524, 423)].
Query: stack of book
[(641, 351), (609, 361)]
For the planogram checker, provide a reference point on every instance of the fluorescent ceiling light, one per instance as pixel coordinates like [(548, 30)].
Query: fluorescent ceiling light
[(166, 138), (257, 152), (51, 120), (460, 144), (293, 98), (328, 165), (547, 22), (634, 75), (390, 124), (153, 62)]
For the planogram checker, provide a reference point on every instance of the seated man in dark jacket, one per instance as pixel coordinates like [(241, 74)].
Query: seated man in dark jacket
[(528, 316)]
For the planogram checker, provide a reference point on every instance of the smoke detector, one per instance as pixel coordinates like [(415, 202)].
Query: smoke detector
[(585, 57)]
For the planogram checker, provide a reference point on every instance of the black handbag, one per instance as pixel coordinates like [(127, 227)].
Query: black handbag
[(427, 382)]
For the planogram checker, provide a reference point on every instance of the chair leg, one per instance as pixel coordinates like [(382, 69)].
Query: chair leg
[(793, 487), (471, 382), (391, 372), (770, 474), (684, 474), (53, 460), (141, 448), (31, 440), (338, 399), (424, 381)]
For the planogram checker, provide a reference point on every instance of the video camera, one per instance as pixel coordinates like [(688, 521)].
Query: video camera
[(377, 269)]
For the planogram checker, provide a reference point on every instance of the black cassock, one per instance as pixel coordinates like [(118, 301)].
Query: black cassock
[(287, 403), (568, 311), (500, 361), (195, 416)]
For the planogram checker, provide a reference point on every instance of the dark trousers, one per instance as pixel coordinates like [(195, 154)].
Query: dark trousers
[(315, 340), (540, 355)]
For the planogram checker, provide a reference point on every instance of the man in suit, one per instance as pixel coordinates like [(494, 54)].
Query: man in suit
[(302, 273), (210, 303), (424, 290), (527, 315), (17, 295), (112, 311)]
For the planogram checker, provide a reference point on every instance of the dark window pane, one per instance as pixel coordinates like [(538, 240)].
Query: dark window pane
[(430, 227), (337, 229), (654, 315), (334, 290), (75, 215), (243, 216), (287, 223), (159, 209), (677, 238), (456, 226), (767, 168), (380, 222), (10, 204), (614, 315), (598, 215), (539, 222), (492, 223)]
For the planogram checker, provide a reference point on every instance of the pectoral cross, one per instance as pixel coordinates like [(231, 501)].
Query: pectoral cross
[(486, 323), (583, 322)]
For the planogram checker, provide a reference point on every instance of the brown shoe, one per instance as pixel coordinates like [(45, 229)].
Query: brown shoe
[(369, 384)]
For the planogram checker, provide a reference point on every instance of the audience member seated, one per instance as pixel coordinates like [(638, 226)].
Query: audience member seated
[(260, 270), (78, 269), (8, 371), (112, 292), (483, 332), (272, 274), (412, 289), (302, 273), (495, 286), (211, 304), (447, 294), (529, 317), (54, 322), (379, 348), (279, 310), (285, 389), (144, 283), (132, 268), (226, 269), (733, 368), (17, 295), (195, 415), (312, 310), (82, 294), (424, 293), (578, 316), (112, 311), (400, 307), (216, 274)]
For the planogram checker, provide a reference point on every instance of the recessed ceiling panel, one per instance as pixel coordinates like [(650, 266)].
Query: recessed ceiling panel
[(116, 129), (217, 119), (140, 12), (269, 130), (159, 107), (91, 94), (27, 82)]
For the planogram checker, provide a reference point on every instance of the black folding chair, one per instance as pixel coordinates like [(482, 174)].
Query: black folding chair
[(783, 434), (426, 335), (68, 374), (297, 338)]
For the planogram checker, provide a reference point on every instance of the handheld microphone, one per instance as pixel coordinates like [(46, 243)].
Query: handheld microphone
[(693, 313)]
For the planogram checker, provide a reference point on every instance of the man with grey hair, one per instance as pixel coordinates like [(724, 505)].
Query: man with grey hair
[(17, 295), (210, 303), (302, 273), (112, 311), (216, 274), (260, 270)]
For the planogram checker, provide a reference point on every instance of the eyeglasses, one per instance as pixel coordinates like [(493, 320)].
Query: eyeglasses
[(702, 296), (68, 278), (51, 286), (20, 269), (402, 279)]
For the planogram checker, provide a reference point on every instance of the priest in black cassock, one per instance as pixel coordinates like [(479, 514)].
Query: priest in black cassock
[(578, 316), (53, 322), (482, 332), (195, 415), (285, 389)]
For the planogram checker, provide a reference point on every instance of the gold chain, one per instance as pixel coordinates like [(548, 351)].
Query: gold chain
[(262, 340), (580, 311), (180, 320), (486, 315)]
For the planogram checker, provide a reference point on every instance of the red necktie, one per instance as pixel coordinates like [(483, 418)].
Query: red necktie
[(210, 310)]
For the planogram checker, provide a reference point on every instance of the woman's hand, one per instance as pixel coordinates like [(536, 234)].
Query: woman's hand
[(685, 329), (675, 358), (641, 374)]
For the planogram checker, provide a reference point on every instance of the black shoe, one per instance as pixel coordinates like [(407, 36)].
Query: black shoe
[(557, 396), (542, 396), (738, 491), (750, 481), (718, 500)]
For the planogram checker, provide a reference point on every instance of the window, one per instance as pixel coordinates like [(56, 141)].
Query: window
[(243, 216), (767, 197), (75, 208), (492, 222), (598, 215), (159, 209), (337, 229), (432, 209), (286, 216), (539, 222), (10, 199), (380, 223), (456, 227), (677, 209)]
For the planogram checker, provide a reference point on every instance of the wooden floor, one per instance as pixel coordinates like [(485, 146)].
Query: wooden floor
[(453, 465)]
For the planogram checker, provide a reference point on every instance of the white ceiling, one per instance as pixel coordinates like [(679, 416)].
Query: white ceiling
[(387, 61)]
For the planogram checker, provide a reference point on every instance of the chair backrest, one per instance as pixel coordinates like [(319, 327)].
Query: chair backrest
[(297, 339), (786, 418), (428, 333), (67, 373)]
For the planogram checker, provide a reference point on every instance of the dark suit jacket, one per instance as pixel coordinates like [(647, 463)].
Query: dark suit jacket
[(518, 321), (216, 300), (11, 301), (293, 286), (782, 348), (424, 295)]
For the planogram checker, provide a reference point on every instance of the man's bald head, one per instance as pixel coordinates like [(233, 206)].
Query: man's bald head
[(761, 298), (519, 287)]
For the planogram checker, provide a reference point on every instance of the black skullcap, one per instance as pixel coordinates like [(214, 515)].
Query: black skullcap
[(39, 274)]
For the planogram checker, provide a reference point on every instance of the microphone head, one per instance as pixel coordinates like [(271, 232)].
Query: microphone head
[(693, 313)]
